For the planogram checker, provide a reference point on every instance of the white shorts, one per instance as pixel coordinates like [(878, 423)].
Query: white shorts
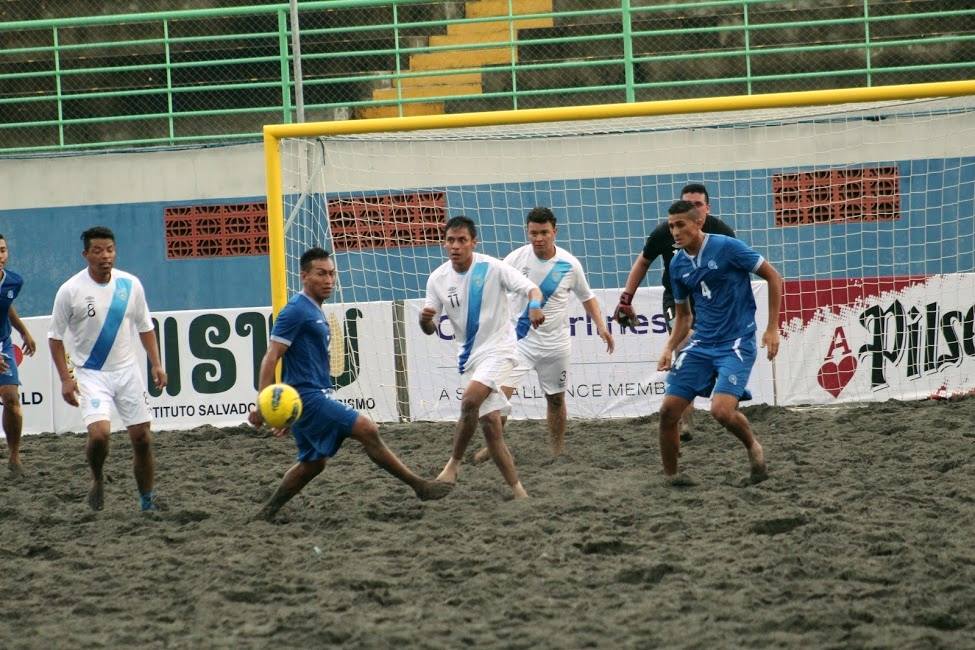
[(125, 389), (492, 372), (552, 367)]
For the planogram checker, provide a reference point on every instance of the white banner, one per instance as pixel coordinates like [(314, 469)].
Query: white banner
[(39, 388), (625, 384), (912, 342), (212, 360)]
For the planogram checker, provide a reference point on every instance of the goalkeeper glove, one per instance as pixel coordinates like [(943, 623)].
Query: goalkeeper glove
[(625, 315)]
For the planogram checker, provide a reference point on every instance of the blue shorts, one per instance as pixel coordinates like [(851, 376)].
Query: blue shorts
[(324, 425), (702, 369), (11, 377)]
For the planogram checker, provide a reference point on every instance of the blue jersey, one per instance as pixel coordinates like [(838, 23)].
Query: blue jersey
[(301, 325), (9, 289), (718, 279)]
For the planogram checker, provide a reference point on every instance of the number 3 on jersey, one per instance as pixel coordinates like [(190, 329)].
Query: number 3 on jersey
[(705, 291)]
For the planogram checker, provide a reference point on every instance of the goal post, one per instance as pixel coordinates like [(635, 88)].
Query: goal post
[(862, 198)]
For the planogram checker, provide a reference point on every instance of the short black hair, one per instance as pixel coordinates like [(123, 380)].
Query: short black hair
[(96, 232), (680, 207), (696, 188), (313, 255), (460, 221), (541, 214)]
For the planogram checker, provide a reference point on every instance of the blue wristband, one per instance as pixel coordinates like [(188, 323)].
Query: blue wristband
[(534, 304)]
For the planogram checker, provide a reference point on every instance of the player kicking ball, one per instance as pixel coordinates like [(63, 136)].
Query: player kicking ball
[(715, 272), (300, 338)]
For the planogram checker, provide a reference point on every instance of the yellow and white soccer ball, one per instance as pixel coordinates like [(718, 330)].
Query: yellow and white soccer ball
[(280, 405)]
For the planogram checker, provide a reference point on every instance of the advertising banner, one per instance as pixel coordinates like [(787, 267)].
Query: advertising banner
[(624, 384), (212, 359), (879, 339), (39, 385)]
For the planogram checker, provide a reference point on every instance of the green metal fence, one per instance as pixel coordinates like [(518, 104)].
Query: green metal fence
[(218, 75)]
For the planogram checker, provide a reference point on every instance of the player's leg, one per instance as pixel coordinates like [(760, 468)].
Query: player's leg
[(692, 374), (494, 438), (132, 404), (724, 408), (556, 416), (475, 394), (734, 367), (366, 433), (297, 477), (484, 453), (671, 410), (96, 451), (524, 363), (143, 464), (553, 371), (95, 402), (13, 422), (686, 423)]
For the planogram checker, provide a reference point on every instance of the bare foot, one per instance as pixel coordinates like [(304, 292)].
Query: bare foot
[(679, 480), (449, 472), (518, 491), (266, 513), (433, 490), (96, 495), (16, 469), (756, 457), (482, 455)]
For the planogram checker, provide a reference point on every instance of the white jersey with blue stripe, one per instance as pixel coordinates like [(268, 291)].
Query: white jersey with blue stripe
[(99, 322), (718, 279), (476, 303), (557, 278)]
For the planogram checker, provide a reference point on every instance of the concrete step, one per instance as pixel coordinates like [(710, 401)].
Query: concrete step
[(466, 79), (499, 36), (486, 8), (496, 26), (461, 59), (428, 91), (409, 110)]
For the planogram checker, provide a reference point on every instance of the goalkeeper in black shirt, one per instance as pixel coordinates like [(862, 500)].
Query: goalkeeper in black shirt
[(660, 243)]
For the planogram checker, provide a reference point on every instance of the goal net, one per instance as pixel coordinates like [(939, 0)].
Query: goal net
[(866, 209)]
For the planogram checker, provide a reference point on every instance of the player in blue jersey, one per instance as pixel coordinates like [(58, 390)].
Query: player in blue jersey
[(13, 421), (300, 339), (94, 315), (660, 243), (472, 290), (715, 271)]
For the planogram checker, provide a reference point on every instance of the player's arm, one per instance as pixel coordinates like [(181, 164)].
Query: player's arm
[(69, 387), (265, 376), (514, 282), (624, 313), (682, 327), (431, 307), (596, 315), (147, 336), (29, 346), (770, 339), (148, 340), (60, 319)]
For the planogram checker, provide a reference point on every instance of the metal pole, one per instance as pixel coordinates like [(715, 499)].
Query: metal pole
[(296, 51)]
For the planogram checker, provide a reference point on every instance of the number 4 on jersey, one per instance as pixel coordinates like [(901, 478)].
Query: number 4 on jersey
[(705, 291)]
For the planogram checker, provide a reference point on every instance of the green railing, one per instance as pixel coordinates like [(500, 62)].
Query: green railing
[(218, 75)]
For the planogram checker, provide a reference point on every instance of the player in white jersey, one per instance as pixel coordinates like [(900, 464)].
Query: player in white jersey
[(547, 349), (95, 313), (471, 289)]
